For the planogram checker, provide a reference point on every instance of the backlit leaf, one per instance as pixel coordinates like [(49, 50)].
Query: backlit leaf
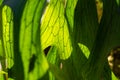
[(34, 62), (7, 18), (54, 29)]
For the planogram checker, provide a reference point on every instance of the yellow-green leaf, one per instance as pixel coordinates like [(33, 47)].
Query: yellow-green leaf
[(7, 19), (54, 29)]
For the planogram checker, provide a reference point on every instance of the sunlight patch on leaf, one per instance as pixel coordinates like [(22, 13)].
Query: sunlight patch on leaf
[(84, 49)]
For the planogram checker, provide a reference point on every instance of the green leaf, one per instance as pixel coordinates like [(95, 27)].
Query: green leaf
[(34, 62), (84, 32), (7, 19), (85, 23), (52, 59), (16, 9), (70, 8), (72, 30), (52, 55), (6, 38), (54, 29)]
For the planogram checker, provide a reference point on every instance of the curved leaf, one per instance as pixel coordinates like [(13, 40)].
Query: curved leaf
[(54, 29), (34, 62)]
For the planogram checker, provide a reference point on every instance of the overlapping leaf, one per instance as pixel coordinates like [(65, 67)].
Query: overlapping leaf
[(107, 38), (84, 32), (34, 62)]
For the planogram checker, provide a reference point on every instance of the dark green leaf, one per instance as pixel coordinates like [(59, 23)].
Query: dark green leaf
[(59, 74)]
